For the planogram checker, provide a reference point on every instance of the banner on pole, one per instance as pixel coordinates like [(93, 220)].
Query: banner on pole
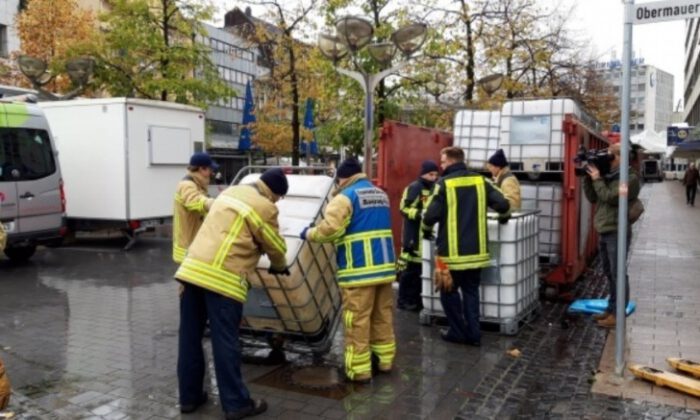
[(662, 11)]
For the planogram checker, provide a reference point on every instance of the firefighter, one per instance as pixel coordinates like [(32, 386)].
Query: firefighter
[(409, 263), (191, 203), (504, 178), (3, 238), (459, 204), (357, 220), (241, 225)]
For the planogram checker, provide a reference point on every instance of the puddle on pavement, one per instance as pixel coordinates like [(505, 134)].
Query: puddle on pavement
[(319, 381)]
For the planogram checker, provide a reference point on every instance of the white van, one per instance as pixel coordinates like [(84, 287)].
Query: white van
[(32, 203)]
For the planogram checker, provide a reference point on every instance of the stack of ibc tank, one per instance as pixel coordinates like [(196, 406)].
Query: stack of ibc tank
[(532, 137)]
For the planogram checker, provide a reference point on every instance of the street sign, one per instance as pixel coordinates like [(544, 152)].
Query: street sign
[(661, 11), (675, 135)]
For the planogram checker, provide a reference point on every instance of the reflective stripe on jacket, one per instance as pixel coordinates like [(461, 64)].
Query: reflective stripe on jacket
[(3, 238), (413, 201), (241, 226), (459, 204), (190, 206), (358, 221)]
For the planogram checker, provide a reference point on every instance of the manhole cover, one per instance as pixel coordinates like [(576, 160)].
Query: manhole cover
[(316, 377)]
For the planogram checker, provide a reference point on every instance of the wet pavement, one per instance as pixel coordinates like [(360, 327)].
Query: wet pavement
[(90, 331)]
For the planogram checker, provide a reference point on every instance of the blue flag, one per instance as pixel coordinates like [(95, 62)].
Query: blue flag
[(309, 124), (245, 141)]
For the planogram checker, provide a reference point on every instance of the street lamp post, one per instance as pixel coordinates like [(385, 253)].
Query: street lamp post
[(79, 70), (355, 33)]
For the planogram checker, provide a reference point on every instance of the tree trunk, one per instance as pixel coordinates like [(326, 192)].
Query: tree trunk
[(469, 94), (166, 41), (295, 106)]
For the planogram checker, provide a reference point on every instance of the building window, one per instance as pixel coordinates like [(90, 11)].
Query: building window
[(221, 127), (3, 40)]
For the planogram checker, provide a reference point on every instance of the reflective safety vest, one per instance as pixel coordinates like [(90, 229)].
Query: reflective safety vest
[(365, 253)]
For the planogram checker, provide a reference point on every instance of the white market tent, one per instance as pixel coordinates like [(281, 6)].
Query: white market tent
[(651, 141)]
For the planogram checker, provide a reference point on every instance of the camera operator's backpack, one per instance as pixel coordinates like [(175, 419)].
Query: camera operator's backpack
[(635, 208)]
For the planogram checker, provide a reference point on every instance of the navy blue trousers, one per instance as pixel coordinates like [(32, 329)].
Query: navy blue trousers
[(462, 311), (224, 314)]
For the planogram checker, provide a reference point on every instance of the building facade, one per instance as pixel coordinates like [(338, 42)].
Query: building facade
[(651, 95), (237, 66), (9, 41), (691, 84)]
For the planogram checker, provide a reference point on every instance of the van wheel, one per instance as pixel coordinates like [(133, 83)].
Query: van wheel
[(20, 254)]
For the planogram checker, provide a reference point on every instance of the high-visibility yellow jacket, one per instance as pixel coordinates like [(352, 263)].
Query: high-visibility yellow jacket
[(357, 220), (459, 203), (510, 187), (3, 238), (191, 205), (241, 226)]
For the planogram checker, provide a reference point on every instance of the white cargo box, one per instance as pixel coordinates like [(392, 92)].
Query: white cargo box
[(532, 135), (122, 158), (477, 133), (509, 287)]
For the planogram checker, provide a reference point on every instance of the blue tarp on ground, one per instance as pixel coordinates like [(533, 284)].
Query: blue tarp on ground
[(596, 306)]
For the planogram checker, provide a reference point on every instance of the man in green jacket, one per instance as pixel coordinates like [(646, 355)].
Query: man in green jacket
[(602, 190)]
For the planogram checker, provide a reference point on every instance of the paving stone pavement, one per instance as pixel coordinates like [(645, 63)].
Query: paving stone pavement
[(88, 331)]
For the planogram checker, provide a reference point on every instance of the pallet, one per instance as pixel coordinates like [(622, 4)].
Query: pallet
[(685, 365), (502, 326), (667, 379)]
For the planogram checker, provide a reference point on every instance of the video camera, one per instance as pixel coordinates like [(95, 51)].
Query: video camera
[(600, 158)]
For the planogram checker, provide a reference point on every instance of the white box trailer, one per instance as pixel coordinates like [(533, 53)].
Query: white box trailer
[(123, 158)]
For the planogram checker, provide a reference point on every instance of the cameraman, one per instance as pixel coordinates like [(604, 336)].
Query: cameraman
[(601, 189)]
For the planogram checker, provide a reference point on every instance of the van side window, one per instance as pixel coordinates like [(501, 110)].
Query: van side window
[(25, 154)]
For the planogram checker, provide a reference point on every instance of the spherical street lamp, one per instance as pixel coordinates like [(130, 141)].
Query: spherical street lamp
[(353, 34)]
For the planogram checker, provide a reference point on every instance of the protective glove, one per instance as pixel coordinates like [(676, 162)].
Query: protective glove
[(402, 262), (302, 235), (428, 234), (442, 278), (503, 218), (282, 272)]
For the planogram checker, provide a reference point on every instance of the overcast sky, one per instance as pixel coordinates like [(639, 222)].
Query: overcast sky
[(660, 44)]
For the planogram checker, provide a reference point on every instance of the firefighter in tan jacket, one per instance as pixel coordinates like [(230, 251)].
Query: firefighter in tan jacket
[(191, 203), (241, 225), (357, 220), (3, 238), (504, 179)]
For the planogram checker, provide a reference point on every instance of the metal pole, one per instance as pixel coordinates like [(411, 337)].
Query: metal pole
[(369, 123), (620, 332)]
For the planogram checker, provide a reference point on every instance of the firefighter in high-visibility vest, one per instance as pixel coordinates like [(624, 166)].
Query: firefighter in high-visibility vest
[(459, 204), (357, 220), (192, 203), (409, 264), (241, 225)]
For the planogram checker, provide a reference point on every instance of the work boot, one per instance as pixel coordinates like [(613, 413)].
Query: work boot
[(191, 408), (362, 378), (608, 322), (602, 316), (256, 407)]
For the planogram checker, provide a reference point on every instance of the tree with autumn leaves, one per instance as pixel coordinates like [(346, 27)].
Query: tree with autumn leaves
[(54, 31), (145, 48)]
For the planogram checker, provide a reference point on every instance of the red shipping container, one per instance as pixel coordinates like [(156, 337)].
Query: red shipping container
[(402, 149)]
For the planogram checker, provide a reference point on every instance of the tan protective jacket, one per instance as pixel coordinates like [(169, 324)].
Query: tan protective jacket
[(241, 226), (3, 238), (191, 205), (510, 187)]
